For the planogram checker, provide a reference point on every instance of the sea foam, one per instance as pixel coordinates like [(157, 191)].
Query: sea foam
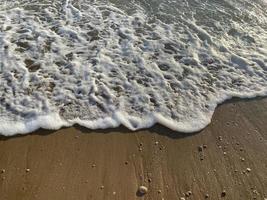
[(101, 64)]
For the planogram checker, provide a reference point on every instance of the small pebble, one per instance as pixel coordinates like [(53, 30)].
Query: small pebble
[(156, 143), (200, 148), (126, 162), (102, 187), (255, 192), (182, 198), (224, 153), (242, 159), (159, 191), (223, 194), (205, 146), (188, 193), (3, 171), (114, 193), (207, 196), (93, 165), (248, 170), (149, 180), (220, 138), (142, 189), (28, 170)]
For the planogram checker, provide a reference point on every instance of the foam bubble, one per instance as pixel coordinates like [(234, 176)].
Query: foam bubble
[(101, 64)]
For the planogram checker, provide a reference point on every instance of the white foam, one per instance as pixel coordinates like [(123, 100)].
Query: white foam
[(101, 65), (52, 121)]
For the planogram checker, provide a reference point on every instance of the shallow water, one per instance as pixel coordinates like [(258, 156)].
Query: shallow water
[(105, 63)]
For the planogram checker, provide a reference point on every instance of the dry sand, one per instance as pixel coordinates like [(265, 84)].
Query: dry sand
[(79, 164)]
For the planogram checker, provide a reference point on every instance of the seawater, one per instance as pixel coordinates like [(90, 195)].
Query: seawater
[(104, 63)]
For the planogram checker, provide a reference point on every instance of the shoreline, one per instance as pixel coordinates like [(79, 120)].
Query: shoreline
[(77, 163), (110, 124)]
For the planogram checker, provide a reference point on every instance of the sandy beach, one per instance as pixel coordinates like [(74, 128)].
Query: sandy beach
[(105, 63), (227, 160)]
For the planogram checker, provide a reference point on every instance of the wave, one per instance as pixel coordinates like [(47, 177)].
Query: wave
[(101, 64)]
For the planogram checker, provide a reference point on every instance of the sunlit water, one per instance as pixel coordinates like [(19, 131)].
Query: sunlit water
[(105, 63)]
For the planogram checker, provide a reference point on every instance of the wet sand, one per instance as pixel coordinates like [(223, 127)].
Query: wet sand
[(79, 164)]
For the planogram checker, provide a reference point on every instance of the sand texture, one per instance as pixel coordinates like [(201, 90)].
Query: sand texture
[(227, 160)]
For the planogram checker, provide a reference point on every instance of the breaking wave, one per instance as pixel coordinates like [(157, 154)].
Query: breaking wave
[(105, 63)]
